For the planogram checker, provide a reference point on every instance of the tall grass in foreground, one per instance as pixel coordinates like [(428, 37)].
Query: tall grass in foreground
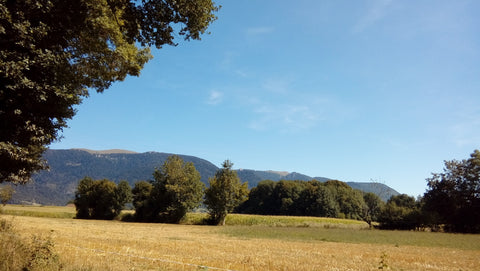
[(17, 253)]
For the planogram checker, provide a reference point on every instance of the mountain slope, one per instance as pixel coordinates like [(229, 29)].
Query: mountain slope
[(57, 186)]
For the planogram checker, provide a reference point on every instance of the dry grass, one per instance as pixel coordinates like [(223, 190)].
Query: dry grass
[(104, 245)]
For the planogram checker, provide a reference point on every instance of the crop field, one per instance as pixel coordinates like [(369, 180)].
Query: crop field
[(247, 243)]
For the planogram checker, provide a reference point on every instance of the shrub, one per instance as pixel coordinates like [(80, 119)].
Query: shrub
[(17, 253)]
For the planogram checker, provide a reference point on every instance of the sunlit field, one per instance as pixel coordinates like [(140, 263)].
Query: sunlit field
[(292, 244)]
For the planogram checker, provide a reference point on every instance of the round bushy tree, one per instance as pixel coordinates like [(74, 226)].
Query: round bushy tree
[(224, 193), (453, 197), (176, 190)]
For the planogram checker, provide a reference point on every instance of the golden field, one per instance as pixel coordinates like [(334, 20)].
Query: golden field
[(114, 245)]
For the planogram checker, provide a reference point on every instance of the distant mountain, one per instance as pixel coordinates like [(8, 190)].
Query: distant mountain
[(57, 186), (255, 176)]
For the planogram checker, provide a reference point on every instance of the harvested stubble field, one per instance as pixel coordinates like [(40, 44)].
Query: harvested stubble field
[(113, 245)]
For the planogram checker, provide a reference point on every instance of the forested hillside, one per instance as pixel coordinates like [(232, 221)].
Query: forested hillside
[(57, 186)]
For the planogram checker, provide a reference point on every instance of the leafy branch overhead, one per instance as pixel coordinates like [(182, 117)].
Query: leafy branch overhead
[(52, 52)]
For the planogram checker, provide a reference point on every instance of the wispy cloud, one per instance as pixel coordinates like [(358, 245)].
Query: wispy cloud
[(275, 105), (278, 106), (284, 117), (376, 12), (215, 97)]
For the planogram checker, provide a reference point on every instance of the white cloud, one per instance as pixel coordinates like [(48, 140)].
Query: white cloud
[(215, 97)]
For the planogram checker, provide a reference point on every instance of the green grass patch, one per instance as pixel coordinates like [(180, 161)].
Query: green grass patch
[(39, 211), (278, 221), (350, 235), (194, 219), (293, 221)]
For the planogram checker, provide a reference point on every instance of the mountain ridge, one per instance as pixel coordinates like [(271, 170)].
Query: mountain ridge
[(57, 186)]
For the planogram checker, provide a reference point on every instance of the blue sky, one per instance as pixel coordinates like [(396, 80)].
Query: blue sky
[(379, 90)]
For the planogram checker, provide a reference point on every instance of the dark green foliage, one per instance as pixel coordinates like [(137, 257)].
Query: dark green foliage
[(260, 199), (372, 207), (401, 212), (83, 198), (350, 201), (285, 195), (123, 195), (141, 200), (313, 198), (453, 197), (317, 200), (101, 199), (225, 193), (53, 51), (176, 190)]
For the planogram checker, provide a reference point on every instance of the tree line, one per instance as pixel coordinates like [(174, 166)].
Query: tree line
[(451, 202), (175, 190)]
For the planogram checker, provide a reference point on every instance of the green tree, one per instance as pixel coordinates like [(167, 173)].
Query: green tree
[(317, 200), (224, 193), (401, 212), (104, 200), (285, 196), (349, 200), (100, 199), (83, 198), (52, 52), (453, 197), (123, 195), (177, 189), (260, 199), (142, 200), (6, 193), (372, 207)]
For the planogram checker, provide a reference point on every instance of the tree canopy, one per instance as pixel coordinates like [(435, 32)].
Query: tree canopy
[(52, 52), (400, 212), (176, 189), (300, 198), (101, 199), (225, 193), (453, 197)]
